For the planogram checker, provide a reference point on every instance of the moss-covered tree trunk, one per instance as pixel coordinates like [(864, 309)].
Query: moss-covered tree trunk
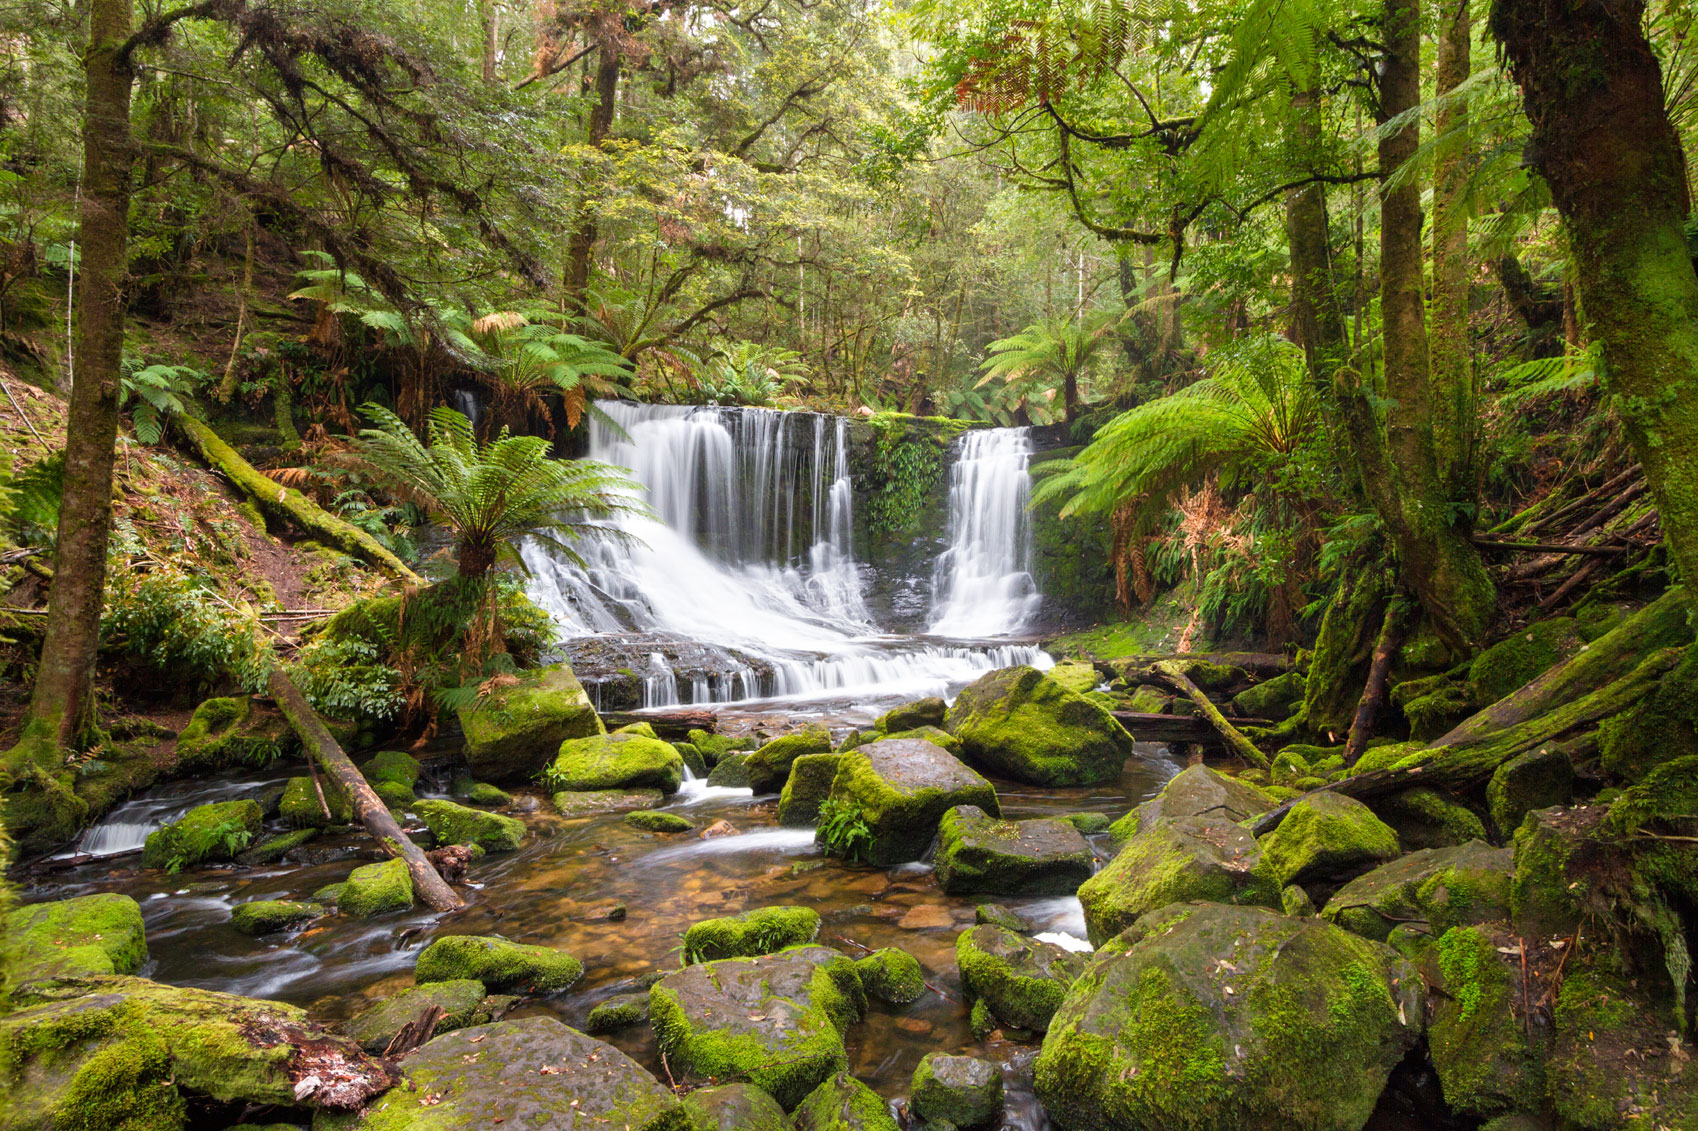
[(1592, 88), (1448, 345), (582, 244), (62, 703)]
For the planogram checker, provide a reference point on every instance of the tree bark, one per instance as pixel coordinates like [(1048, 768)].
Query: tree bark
[(491, 16), (368, 807), (61, 706), (1448, 344), (582, 244), (1593, 90), (1374, 692)]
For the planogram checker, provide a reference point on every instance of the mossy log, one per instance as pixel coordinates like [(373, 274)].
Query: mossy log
[(1171, 673), (428, 885), (1462, 766), (289, 505)]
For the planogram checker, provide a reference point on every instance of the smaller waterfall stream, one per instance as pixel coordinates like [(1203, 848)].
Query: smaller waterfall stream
[(983, 585)]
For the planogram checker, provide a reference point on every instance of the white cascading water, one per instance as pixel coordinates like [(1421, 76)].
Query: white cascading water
[(753, 554), (983, 583)]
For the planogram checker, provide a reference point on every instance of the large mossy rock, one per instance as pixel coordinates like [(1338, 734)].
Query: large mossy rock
[(962, 1090), (1274, 699), (1021, 980), (458, 824), (595, 802), (204, 834), (776, 1021), (1478, 1037), (459, 999), (616, 761), (735, 1107), (1197, 791), (1326, 836), (1661, 728), (901, 788), (1558, 856), (806, 789), (769, 766), (1519, 659), (376, 889), (1608, 1066), (978, 853), (843, 1103), (80, 937), (1173, 860), (1026, 726), (514, 732), (230, 732), (122, 1053), (761, 931), (1538, 779), (910, 716), (1441, 887), (1205, 1016), (497, 963), (1426, 818), (891, 975), (303, 809), (530, 1073)]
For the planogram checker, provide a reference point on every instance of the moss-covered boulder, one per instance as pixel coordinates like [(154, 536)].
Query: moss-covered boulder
[(978, 853), (895, 792), (806, 789), (458, 824), (497, 963), (460, 999), (1326, 836), (934, 735), (1557, 859), (1426, 818), (769, 767), (716, 746), (1026, 726), (1519, 659), (891, 975), (731, 772), (530, 1073), (765, 930), (273, 848), (396, 766), (125, 1053), (693, 759), (595, 802), (1661, 728), (74, 938), (843, 1103), (616, 761), (1274, 699), (264, 916), (394, 795), (927, 712), (963, 1090), (776, 1021), (1021, 980), (621, 1011), (735, 1107), (1608, 1065), (376, 889), (1538, 779), (204, 834), (512, 733), (1442, 887), (1171, 860), (229, 732), (302, 808), (1205, 1015), (482, 794), (999, 916), (1197, 791), (659, 821), (1478, 1037)]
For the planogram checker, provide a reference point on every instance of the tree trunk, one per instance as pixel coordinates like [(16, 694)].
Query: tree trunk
[(1593, 91), (368, 807), (1374, 692), (491, 38), (1449, 347), (582, 244), (61, 706)]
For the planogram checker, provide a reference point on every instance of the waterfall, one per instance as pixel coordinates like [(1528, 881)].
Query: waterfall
[(747, 586), (983, 583)]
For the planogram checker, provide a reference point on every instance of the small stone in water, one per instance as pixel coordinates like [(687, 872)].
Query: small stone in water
[(719, 828), (925, 916), (914, 1025)]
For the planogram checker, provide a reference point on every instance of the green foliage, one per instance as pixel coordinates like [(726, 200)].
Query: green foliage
[(154, 393), (177, 624), (749, 373), (844, 831), (347, 679), (908, 469), (34, 505), (220, 841), (1039, 362)]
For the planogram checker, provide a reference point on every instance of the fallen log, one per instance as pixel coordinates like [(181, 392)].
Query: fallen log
[(666, 724), (1616, 482), (1145, 727), (1170, 673), (288, 505), (1260, 664), (1548, 548), (369, 809), (1463, 766)]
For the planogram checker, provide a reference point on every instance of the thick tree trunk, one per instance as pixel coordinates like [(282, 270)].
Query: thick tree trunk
[(582, 244), (1448, 343), (369, 809), (1593, 91), (61, 706)]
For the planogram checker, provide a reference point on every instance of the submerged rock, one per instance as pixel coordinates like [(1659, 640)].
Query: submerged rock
[(1196, 791), (460, 999), (843, 1103), (1229, 1018), (530, 1073), (776, 1020), (1444, 887), (769, 767), (275, 847), (457, 824), (616, 761), (1176, 860), (514, 732), (809, 784), (891, 975), (899, 789), (497, 963), (618, 1012), (735, 1107), (206, 832), (980, 853), (963, 1090), (481, 793), (594, 802), (1326, 836), (376, 889), (761, 931), (74, 938), (1021, 723), (1022, 980), (263, 916), (909, 716)]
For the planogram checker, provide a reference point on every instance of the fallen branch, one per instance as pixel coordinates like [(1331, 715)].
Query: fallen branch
[(1374, 692), (1174, 676), (1615, 482), (369, 809), (1548, 547)]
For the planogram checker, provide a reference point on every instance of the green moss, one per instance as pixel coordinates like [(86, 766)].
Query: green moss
[(1426, 818), (376, 889), (497, 963), (1173, 860), (514, 732), (765, 930), (979, 853), (394, 794), (276, 847), (769, 766), (892, 975), (732, 772), (1022, 980), (960, 1090), (619, 1012), (1441, 887), (208, 832), (1273, 699), (1296, 902), (393, 766), (1326, 835), (843, 1103), (1552, 886), (1521, 658), (934, 735), (655, 821), (73, 938), (716, 746), (301, 808), (593, 802), (1663, 727), (980, 1020), (615, 761), (1477, 1041), (263, 916), (899, 790), (735, 1107), (692, 758), (641, 729), (806, 789), (1535, 780), (1668, 793), (228, 732), (909, 716), (1089, 824), (1596, 1021), (456, 824), (1019, 722), (460, 1000)]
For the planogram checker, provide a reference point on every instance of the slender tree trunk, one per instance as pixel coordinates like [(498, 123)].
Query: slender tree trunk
[(1452, 356), (1593, 91), (491, 38), (584, 235), (61, 707)]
